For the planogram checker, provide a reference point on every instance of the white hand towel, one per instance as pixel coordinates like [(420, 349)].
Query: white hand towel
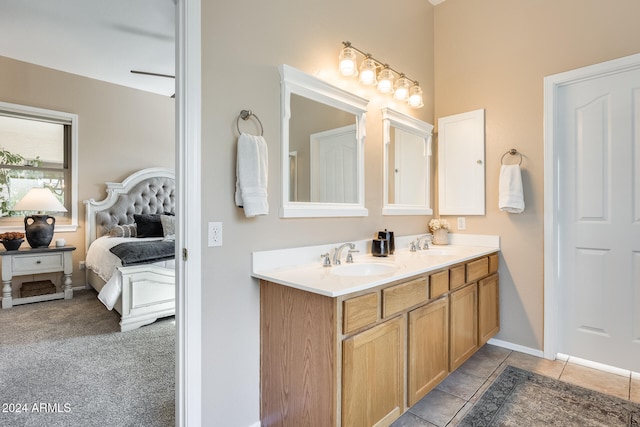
[(251, 175), (511, 196)]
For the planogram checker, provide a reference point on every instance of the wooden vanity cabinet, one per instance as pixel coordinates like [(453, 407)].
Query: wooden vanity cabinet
[(488, 308), (428, 348), (373, 375), (364, 358), (463, 339)]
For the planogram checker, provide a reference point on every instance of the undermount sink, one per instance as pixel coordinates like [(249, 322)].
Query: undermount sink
[(364, 269)]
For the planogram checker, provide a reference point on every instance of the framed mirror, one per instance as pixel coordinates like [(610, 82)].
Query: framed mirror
[(322, 148), (407, 164)]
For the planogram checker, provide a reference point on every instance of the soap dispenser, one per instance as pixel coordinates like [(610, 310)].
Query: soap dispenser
[(388, 235)]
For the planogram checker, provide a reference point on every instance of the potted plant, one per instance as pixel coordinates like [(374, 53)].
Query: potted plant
[(12, 240), (440, 230)]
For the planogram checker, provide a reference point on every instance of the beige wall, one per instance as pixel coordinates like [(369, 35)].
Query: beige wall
[(120, 130), (494, 54), (242, 45)]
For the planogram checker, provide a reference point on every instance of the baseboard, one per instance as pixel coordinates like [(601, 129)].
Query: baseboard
[(516, 347), (595, 365)]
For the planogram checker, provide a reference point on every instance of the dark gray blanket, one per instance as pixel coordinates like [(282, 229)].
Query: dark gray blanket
[(145, 252)]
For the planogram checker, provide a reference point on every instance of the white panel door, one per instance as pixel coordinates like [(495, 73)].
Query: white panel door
[(334, 166), (599, 219)]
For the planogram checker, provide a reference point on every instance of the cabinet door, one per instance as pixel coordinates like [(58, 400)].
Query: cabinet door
[(463, 330), (372, 376), (428, 348), (488, 308)]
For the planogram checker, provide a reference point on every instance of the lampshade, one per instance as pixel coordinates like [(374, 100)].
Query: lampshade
[(415, 97), (41, 200), (385, 81), (368, 72), (402, 85), (347, 61)]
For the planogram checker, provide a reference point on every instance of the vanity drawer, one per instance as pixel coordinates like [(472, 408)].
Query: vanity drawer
[(493, 263), (39, 263), (438, 284), (400, 297), (359, 312), (456, 277), (477, 269)]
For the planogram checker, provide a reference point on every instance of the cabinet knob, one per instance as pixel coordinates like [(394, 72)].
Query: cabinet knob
[(479, 162)]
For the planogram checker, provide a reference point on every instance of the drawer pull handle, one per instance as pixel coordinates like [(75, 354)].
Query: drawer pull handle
[(38, 262)]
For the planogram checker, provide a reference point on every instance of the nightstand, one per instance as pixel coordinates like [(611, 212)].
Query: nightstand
[(35, 261)]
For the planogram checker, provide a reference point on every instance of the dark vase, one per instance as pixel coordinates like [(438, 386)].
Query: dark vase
[(39, 231)]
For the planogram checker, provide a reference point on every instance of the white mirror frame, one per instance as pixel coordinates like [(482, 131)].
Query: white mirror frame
[(392, 118), (294, 81)]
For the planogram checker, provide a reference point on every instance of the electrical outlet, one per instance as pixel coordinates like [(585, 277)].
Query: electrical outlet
[(82, 265), (215, 234), (462, 223)]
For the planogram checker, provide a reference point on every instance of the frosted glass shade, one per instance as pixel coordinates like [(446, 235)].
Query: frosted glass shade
[(415, 97), (368, 72), (347, 61), (385, 81), (401, 92)]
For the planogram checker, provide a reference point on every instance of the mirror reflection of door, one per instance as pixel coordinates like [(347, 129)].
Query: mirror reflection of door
[(334, 165), (407, 184)]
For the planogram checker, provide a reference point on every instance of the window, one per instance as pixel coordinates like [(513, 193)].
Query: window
[(38, 148)]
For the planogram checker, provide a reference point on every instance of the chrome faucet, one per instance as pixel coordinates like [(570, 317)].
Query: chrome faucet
[(425, 245), (337, 252)]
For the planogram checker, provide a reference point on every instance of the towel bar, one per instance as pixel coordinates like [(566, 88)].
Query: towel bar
[(245, 115), (512, 152)]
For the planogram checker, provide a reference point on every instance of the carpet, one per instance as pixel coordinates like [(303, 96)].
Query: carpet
[(66, 376), (522, 398)]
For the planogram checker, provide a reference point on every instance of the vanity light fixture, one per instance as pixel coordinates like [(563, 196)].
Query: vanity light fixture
[(403, 89)]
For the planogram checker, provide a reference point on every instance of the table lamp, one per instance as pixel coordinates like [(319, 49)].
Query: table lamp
[(39, 227)]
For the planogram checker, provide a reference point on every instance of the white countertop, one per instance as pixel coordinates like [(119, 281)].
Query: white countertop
[(301, 268)]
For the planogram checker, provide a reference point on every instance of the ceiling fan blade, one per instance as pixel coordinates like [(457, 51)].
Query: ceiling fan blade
[(148, 73)]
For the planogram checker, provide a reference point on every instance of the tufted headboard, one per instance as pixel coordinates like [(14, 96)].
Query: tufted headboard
[(146, 191)]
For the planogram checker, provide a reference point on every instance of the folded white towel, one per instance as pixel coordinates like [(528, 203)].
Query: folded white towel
[(251, 175), (511, 195)]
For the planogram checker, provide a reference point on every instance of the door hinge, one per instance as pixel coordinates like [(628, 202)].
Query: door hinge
[(184, 254)]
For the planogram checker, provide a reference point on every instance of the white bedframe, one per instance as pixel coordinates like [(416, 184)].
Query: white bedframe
[(148, 291)]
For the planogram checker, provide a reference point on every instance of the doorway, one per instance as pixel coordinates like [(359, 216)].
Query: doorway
[(592, 214)]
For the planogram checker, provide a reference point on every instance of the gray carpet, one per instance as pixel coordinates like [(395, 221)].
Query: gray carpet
[(64, 363), (522, 398)]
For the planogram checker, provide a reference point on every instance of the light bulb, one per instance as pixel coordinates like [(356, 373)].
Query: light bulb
[(347, 60), (385, 81), (368, 72), (415, 97), (402, 88)]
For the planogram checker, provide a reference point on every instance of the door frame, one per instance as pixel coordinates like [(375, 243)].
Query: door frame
[(552, 84), (188, 384)]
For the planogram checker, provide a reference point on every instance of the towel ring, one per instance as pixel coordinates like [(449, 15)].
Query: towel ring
[(512, 152), (244, 115)]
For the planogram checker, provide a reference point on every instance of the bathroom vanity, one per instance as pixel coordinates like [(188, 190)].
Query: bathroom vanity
[(359, 346)]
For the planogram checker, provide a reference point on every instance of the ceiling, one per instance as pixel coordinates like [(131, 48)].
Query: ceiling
[(100, 39)]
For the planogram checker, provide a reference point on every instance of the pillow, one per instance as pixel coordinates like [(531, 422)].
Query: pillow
[(168, 225), (127, 230), (148, 225)]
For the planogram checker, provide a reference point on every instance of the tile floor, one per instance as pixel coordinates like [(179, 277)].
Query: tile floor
[(450, 401)]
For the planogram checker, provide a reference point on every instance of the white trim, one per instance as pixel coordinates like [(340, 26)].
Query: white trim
[(256, 424), (515, 347), (595, 365), (551, 283), (188, 185), (58, 117), (294, 81)]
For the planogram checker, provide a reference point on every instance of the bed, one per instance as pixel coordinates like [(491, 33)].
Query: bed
[(140, 293)]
